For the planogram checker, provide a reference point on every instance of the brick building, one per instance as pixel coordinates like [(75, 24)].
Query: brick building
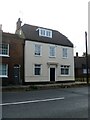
[(11, 59), (80, 67)]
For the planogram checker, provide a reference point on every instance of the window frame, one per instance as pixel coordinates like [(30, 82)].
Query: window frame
[(7, 50), (6, 71), (64, 67), (40, 67), (45, 32), (51, 51), (64, 52), (40, 49)]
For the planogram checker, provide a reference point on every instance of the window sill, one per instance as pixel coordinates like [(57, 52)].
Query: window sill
[(4, 56), (64, 57), (64, 75), (3, 76), (38, 55), (36, 75), (52, 56)]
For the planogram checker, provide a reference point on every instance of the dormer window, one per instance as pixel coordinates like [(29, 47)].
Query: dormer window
[(45, 32)]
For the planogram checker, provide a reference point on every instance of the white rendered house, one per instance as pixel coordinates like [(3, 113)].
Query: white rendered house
[(48, 55)]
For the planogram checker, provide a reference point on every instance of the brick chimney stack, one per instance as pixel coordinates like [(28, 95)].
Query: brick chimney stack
[(76, 54), (18, 24), (1, 27)]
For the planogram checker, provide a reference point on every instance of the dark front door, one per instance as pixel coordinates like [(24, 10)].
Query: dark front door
[(16, 74), (52, 74)]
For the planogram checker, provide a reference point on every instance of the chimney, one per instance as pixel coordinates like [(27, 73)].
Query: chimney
[(18, 24), (76, 54), (1, 27)]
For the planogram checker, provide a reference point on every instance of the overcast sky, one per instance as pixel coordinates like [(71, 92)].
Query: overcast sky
[(70, 17)]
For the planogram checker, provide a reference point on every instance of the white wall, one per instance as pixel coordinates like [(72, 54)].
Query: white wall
[(31, 59)]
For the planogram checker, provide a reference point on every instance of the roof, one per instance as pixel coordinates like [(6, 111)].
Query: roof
[(80, 61), (11, 38), (10, 35), (30, 33)]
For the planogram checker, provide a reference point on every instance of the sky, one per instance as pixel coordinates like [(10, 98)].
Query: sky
[(70, 17)]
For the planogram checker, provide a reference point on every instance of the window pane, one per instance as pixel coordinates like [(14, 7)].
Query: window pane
[(52, 51), (64, 52), (4, 49), (64, 70), (37, 70), (3, 69), (43, 32), (37, 49)]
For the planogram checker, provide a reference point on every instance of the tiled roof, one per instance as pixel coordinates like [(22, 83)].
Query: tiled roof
[(10, 35), (30, 33)]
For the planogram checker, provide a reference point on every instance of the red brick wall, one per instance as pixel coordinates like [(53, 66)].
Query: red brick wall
[(16, 48)]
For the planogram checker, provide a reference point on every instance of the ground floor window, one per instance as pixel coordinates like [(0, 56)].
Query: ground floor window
[(37, 69), (3, 70), (65, 69)]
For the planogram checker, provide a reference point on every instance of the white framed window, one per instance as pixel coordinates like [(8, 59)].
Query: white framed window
[(4, 49), (64, 52), (84, 70), (45, 32), (3, 70), (65, 69), (37, 69), (52, 51), (38, 50), (42, 32)]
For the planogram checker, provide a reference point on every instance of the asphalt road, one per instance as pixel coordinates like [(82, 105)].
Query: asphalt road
[(52, 103)]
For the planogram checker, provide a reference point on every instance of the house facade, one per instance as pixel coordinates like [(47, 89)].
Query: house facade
[(48, 54), (11, 59), (80, 67), (48, 62)]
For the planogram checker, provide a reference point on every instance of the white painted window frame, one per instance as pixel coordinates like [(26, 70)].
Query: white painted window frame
[(45, 32), (64, 52), (50, 51), (4, 76), (35, 50), (40, 69), (64, 69), (3, 55)]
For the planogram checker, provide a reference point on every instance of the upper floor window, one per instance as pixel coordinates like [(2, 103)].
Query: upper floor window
[(45, 32), (3, 70), (64, 53), (4, 49), (37, 50), (52, 51)]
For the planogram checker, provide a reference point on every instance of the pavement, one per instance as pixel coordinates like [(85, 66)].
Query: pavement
[(41, 86)]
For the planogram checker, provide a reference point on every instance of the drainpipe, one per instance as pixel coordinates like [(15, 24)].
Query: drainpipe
[(86, 57)]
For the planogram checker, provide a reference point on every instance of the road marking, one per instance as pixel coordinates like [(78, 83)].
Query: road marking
[(32, 101)]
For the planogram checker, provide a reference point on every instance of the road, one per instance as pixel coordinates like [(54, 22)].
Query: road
[(52, 103)]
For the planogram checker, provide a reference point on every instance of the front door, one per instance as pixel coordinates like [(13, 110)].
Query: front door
[(16, 74), (52, 74)]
